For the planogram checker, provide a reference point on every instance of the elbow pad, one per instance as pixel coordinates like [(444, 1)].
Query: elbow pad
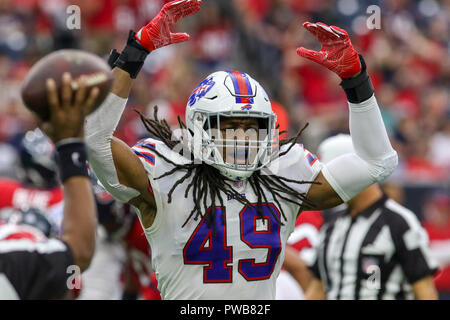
[(349, 174), (373, 159), (381, 169)]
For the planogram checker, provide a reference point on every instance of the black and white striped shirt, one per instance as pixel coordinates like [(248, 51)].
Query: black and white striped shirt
[(32, 267), (376, 255)]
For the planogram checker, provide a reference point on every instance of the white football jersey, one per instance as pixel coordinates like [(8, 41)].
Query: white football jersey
[(244, 259)]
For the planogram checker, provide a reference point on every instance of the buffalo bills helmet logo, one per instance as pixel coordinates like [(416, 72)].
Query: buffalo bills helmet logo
[(201, 90)]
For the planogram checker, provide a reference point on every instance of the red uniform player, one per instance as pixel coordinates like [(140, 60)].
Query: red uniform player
[(39, 185), (303, 240)]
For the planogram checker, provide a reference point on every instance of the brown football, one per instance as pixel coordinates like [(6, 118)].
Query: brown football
[(78, 63)]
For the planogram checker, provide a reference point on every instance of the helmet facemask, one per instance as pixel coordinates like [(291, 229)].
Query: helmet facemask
[(235, 151)]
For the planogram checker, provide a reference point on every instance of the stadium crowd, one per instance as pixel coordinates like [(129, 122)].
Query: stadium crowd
[(408, 59)]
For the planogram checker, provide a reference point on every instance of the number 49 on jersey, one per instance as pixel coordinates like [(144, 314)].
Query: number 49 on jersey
[(213, 251)]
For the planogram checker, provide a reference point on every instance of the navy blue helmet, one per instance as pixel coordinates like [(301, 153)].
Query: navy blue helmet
[(37, 160), (32, 216)]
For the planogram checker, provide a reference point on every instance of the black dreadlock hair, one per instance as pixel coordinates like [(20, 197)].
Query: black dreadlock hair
[(208, 180)]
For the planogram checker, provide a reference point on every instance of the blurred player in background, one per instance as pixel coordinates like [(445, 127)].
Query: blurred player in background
[(33, 266), (374, 249), (121, 266), (437, 224), (226, 225), (295, 276), (102, 280), (39, 183)]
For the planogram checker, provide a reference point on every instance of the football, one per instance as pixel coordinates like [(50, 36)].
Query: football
[(78, 63)]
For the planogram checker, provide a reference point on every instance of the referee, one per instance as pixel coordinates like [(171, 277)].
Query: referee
[(375, 249), (31, 265)]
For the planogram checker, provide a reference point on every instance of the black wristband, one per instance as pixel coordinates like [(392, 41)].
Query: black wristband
[(359, 88), (132, 57), (71, 158)]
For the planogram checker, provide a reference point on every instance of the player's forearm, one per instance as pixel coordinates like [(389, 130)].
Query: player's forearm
[(122, 83), (99, 130), (80, 220), (101, 124), (316, 290), (366, 123), (424, 289), (80, 212), (297, 268), (370, 138), (374, 158)]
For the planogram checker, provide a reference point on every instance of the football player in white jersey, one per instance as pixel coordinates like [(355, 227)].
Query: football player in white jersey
[(218, 199)]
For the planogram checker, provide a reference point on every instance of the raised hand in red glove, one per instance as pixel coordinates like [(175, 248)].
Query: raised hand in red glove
[(337, 52), (158, 33)]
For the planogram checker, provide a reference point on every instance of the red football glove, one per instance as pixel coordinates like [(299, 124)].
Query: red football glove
[(337, 52), (158, 32)]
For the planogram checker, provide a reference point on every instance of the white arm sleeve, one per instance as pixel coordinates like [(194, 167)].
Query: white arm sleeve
[(100, 126), (374, 158)]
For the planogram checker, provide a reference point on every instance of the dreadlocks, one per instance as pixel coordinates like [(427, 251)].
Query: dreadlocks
[(207, 180)]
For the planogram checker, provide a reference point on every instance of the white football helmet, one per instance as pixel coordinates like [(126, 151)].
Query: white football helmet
[(231, 94)]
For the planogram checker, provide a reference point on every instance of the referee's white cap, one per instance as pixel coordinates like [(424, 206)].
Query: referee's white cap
[(334, 147)]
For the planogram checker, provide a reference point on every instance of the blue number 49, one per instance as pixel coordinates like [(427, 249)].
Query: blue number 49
[(212, 251)]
